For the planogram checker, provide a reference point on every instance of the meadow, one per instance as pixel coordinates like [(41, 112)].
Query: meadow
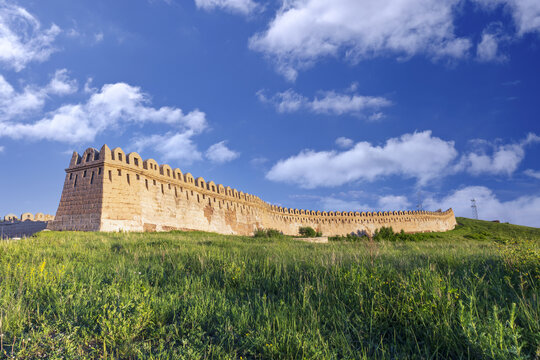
[(470, 293)]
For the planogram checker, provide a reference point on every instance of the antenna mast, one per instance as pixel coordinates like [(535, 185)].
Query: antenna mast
[(474, 209)]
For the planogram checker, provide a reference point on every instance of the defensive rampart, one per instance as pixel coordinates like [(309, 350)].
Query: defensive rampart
[(107, 190), (26, 225)]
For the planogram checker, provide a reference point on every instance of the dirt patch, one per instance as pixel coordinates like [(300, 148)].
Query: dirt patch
[(318, 240)]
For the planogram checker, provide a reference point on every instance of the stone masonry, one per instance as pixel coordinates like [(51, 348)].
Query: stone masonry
[(107, 190), (26, 225)]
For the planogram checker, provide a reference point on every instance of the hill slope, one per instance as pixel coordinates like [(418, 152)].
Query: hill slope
[(468, 293)]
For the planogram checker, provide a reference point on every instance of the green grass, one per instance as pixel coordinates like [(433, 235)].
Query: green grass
[(469, 293)]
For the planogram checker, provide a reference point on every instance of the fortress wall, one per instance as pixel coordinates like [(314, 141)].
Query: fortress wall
[(27, 225), (134, 195)]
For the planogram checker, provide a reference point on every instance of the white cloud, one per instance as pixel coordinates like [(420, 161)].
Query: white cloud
[(524, 210), (420, 156), (338, 104), (376, 116), (286, 101), (344, 142), (32, 98), (303, 31), (336, 204), (504, 159), (487, 49), (1, 149), (61, 84), (244, 7), (526, 13), (21, 38), (172, 146), (220, 153), (532, 173), (112, 107), (394, 202), (328, 102)]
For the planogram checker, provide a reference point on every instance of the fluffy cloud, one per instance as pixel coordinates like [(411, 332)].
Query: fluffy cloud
[(526, 13), (303, 31), (1, 149), (220, 153), (172, 146), (504, 159), (61, 84), (244, 7), (31, 98), (109, 108), (394, 202), (21, 38), (524, 210), (328, 102), (420, 156), (344, 142), (487, 49)]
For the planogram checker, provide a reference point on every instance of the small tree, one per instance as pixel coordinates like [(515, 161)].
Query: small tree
[(307, 231), (384, 233)]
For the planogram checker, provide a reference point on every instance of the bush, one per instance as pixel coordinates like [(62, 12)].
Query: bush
[(267, 233), (388, 234), (385, 233), (358, 236), (307, 231)]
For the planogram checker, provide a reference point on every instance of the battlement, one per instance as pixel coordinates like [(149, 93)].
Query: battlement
[(27, 217), (110, 190)]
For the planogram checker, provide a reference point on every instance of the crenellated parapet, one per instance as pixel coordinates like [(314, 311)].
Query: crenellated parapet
[(111, 190), (27, 217)]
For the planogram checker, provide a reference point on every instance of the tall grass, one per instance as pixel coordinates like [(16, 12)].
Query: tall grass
[(193, 295)]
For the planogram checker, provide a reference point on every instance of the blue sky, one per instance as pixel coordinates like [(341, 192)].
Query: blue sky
[(334, 105)]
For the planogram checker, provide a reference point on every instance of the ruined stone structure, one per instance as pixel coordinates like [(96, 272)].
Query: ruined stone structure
[(25, 225), (27, 216), (108, 190)]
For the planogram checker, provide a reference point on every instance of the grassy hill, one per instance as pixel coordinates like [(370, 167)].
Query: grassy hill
[(469, 293)]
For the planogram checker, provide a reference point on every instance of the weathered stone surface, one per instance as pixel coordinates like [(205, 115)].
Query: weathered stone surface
[(28, 224), (108, 190)]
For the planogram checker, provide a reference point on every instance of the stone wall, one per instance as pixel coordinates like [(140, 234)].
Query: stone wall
[(25, 225), (108, 190)]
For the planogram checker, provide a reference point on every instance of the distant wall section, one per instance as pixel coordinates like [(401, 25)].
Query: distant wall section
[(26, 224)]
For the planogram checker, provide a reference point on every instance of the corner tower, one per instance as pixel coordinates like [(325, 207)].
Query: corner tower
[(81, 202)]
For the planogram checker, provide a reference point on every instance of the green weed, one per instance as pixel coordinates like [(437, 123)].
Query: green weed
[(195, 295)]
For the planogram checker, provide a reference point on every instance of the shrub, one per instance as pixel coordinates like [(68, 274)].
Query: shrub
[(273, 233), (388, 234), (385, 233), (267, 233), (358, 236), (307, 231)]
